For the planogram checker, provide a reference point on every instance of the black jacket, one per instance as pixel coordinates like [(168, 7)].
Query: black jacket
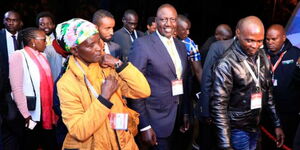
[(231, 93), (287, 75)]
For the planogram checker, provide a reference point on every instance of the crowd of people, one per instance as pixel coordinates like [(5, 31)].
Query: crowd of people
[(82, 85)]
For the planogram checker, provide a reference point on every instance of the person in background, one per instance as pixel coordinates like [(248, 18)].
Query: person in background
[(92, 88), (241, 88), (105, 22), (286, 82), (151, 25), (46, 22), (30, 75), (126, 35), (222, 32), (9, 42)]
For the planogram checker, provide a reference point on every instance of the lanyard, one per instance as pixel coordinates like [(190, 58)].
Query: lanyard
[(87, 81), (134, 32), (256, 79), (277, 62)]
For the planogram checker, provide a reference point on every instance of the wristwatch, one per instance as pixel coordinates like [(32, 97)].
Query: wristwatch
[(298, 64), (118, 64)]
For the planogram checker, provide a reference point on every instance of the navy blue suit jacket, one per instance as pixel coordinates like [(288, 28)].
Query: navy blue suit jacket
[(159, 110)]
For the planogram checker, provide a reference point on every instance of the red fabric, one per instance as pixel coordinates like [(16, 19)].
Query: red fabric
[(59, 49), (46, 93)]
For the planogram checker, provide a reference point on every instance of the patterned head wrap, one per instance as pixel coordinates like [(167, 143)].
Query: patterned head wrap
[(73, 32)]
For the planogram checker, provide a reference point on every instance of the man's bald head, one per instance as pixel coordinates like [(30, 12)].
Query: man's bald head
[(275, 37), (250, 34), (223, 32), (166, 20)]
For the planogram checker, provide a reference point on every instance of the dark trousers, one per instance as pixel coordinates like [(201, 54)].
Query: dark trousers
[(39, 137), (12, 133), (297, 139), (207, 135)]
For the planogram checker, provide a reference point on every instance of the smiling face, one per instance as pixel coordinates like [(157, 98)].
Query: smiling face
[(166, 21), (250, 35), (183, 30), (90, 50), (46, 24)]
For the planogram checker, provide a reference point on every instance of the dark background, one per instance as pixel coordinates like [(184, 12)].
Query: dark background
[(205, 15)]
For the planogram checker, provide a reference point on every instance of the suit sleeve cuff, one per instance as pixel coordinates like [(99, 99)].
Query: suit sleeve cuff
[(146, 128), (119, 69), (105, 102)]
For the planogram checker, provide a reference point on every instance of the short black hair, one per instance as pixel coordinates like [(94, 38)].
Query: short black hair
[(128, 12), (25, 35), (44, 14), (150, 20), (101, 13)]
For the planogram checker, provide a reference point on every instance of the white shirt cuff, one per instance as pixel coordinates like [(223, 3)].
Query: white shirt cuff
[(146, 128)]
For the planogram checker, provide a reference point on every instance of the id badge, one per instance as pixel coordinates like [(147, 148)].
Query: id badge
[(256, 99), (274, 82), (177, 87), (118, 121)]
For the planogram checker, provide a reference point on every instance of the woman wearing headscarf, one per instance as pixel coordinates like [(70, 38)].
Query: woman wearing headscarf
[(30, 76), (91, 91)]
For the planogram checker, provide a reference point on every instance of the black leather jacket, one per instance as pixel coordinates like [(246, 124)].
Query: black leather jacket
[(231, 93)]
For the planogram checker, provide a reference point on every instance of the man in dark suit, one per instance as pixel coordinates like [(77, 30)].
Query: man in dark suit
[(126, 35), (8, 43), (163, 61), (105, 22)]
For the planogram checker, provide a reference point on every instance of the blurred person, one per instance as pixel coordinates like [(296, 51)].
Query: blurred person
[(46, 22), (30, 75), (151, 25), (8, 44), (241, 88), (286, 82), (92, 88), (105, 22), (163, 60), (128, 33), (222, 32)]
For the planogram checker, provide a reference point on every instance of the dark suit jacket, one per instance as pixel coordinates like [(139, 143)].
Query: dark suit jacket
[(159, 110), (114, 49), (215, 52), (122, 38)]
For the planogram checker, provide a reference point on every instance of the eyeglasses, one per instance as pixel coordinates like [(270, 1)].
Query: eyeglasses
[(165, 20), (40, 38)]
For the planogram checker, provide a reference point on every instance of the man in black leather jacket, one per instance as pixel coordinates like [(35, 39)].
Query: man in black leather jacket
[(241, 89)]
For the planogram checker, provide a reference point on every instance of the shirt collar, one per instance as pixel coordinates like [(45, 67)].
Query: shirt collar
[(9, 34), (163, 38)]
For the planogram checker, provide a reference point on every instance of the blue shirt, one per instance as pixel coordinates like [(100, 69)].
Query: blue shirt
[(192, 49)]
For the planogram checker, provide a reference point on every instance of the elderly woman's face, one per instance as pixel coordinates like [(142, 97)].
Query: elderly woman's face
[(91, 49)]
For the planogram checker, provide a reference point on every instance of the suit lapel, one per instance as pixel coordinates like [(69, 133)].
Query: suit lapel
[(182, 54), (163, 52), (3, 45)]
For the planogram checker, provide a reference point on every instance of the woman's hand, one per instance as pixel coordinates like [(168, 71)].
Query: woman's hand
[(27, 121)]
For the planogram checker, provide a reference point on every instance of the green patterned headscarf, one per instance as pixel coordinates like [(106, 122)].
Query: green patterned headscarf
[(73, 32)]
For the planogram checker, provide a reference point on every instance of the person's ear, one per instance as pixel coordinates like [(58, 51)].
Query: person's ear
[(237, 33), (124, 20), (74, 51), (284, 37)]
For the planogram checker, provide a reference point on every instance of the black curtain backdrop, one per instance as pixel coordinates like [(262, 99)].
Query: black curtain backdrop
[(205, 15)]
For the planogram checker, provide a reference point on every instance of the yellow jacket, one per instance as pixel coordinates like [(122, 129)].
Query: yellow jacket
[(86, 117)]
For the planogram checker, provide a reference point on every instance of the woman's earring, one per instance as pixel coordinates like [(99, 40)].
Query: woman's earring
[(33, 45)]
